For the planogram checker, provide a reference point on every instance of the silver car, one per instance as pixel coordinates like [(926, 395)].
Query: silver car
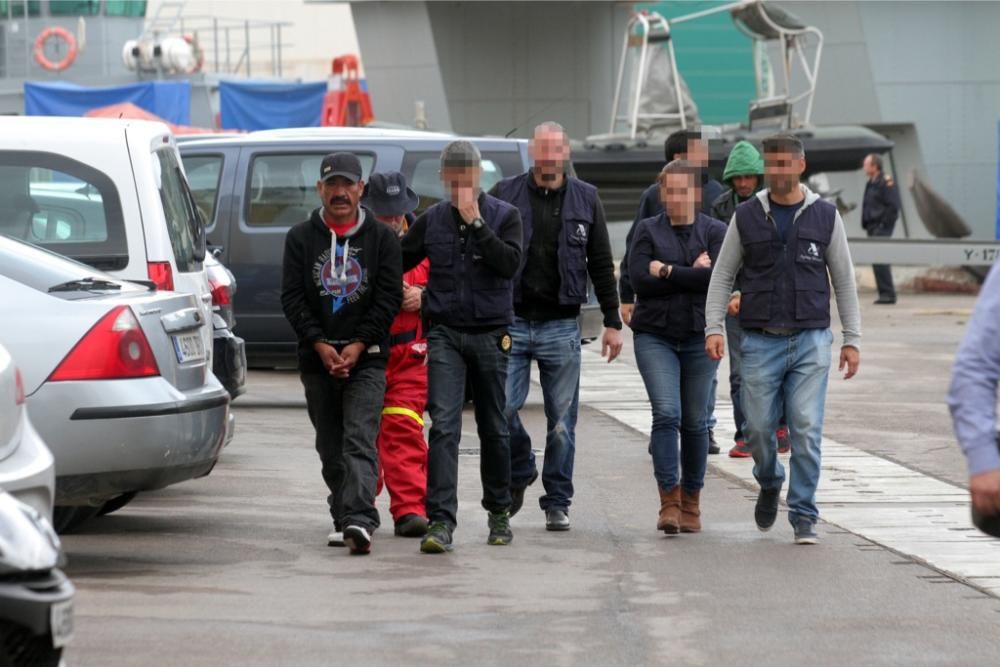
[(116, 376), (36, 598), (26, 467)]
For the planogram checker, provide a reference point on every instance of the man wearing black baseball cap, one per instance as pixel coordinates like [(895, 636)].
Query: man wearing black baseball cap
[(402, 450), (340, 290), (473, 242)]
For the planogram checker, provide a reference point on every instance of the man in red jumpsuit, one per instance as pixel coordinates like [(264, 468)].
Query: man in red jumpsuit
[(402, 450)]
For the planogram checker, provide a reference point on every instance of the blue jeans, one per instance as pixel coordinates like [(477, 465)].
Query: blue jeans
[(452, 356), (789, 372), (710, 419), (555, 345), (734, 336), (678, 378)]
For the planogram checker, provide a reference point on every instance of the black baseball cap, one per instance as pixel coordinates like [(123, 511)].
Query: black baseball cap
[(388, 195), (340, 164)]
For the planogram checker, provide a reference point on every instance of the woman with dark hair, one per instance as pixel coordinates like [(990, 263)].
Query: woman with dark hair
[(670, 264)]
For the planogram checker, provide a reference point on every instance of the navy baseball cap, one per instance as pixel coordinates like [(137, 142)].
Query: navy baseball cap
[(388, 195), (340, 164)]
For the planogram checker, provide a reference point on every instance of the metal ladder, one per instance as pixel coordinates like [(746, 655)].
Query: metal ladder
[(164, 22), (652, 26)]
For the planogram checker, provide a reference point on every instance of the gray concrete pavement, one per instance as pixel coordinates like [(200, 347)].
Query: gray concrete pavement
[(233, 569)]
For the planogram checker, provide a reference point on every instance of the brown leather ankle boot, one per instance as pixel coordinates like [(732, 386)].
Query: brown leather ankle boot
[(670, 511), (690, 512)]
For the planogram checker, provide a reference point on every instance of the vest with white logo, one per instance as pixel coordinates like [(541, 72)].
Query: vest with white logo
[(577, 218), (461, 290), (785, 285)]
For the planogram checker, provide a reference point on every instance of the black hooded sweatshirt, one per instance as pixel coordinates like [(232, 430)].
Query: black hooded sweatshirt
[(341, 302)]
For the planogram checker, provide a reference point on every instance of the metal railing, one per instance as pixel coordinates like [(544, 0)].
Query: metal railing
[(227, 45), (230, 46)]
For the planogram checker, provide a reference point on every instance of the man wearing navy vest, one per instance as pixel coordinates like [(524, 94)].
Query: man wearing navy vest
[(787, 244), (565, 238), (473, 242)]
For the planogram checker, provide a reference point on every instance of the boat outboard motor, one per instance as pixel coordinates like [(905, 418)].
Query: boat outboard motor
[(940, 219)]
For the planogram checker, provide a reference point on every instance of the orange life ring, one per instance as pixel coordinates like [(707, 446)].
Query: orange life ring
[(64, 35)]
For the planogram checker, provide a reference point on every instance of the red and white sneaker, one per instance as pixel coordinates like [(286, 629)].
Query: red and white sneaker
[(741, 450), (784, 442)]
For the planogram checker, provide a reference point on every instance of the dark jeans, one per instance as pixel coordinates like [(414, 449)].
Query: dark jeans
[(678, 378), (734, 336), (450, 355), (346, 415), (555, 346), (883, 272)]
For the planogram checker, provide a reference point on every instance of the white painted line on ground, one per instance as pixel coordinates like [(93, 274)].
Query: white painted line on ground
[(882, 501)]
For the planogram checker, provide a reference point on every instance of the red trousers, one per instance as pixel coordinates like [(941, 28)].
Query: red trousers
[(402, 450)]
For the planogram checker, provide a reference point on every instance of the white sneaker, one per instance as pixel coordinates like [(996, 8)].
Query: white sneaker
[(335, 538), (358, 539)]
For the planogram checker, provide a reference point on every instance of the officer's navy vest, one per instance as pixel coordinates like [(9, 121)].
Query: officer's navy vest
[(461, 289), (667, 314), (785, 285), (577, 218)]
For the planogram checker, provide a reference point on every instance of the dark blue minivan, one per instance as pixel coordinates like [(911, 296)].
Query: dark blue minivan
[(253, 187)]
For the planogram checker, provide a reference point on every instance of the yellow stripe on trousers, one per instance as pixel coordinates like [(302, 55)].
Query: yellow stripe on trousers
[(406, 412)]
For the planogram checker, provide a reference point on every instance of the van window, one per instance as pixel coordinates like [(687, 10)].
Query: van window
[(183, 222), (63, 205), (282, 188), (423, 173), (204, 172)]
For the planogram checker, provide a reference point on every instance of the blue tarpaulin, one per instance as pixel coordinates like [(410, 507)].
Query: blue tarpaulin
[(170, 100), (249, 105)]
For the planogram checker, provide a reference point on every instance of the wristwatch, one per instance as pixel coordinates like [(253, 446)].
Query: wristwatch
[(477, 223), (664, 270)]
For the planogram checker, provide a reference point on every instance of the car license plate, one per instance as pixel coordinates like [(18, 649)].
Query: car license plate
[(61, 616), (189, 347)]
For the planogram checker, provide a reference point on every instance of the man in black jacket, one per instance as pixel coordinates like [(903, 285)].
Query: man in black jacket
[(878, 217), (341, 288), (565, 238), (473, 242)]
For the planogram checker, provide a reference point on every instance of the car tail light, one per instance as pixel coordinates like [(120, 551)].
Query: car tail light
[(115, 348), (18, 387), (220, 293), (162, 275)]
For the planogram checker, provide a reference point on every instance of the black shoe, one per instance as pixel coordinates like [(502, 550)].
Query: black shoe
[(411, 525), (500, 533), (885, 302), (713, 446), (766, 511), (805, 532), (517, 494), (437, 540), (556, 520), (358, 540)]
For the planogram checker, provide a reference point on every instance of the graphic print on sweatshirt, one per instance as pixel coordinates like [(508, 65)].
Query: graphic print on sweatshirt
[(344, 282)]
